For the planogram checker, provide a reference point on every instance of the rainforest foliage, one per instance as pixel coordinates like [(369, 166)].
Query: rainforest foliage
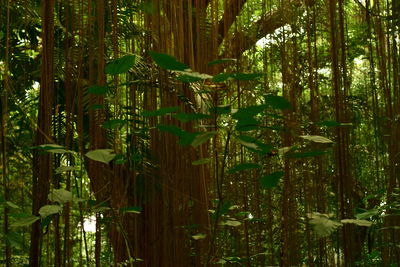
[(200, 133)]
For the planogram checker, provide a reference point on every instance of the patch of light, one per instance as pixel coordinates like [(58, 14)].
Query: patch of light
[(36, 86), (250, 216), (89, 224)]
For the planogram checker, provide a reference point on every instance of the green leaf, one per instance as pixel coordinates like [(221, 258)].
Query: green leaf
[(244, 166), (15, 239), (247, 124), (277, 102), (188, 79), (357, 222), (222, 60), (247, 112), (172, 129), (232, 223), (159, 112), (307, 154), (133, 209), (255, 145), (187, 138), (317, 139), (247, 76), (25, 221), (120, 65), (321, 224), (202, 138), (11, 205), (192, 76), (53, 148), (221, 77), (60, 195), (62, 169), (367, 214), (223, 109), (271, 180), (201, 161), (113, 124), (167, 62), (332, 123), (96, 106), (97, 90), (199, 236), (49, 210), (101, 155), (186, 117)]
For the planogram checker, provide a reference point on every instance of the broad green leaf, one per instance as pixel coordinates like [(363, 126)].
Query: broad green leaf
[(357, 222), (222, 60), (113, 124), (60, 195), (101, 155), (192, 76), (25, 221), (172, 129), (199, 236), (45, 221), (167, 62), (271, 180), (223, 109), (244, 166), (307, 154), (247, 124), (254, 145), (11, 205), (232, 223), (186, 117), (159, 112), (201, 161), (49, 210), (221, 77), (15, 239), (120, 65), (202, 138), (97, 90), (53, 148), (187, 138), (248, 112), (367, 214), (317, 139), (321, 224), (96, 106), (133, 209), (277, 102), (247, 76), (62, 169)]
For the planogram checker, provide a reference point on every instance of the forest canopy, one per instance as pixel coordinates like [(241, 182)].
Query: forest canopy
[(200, 133)]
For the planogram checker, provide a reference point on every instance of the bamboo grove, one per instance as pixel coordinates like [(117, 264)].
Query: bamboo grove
[(200, 132)]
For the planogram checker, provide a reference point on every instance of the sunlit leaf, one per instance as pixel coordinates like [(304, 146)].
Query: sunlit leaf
[(357, 222), (321, 224), (11, 205), (120, 65), (271, 180), (317, 139), (101, 155), (232, 223), (62, 169), (25, 221), (199, 236), (60, 195), (367, 214), (133, 209), (167, 62), (49, 210)]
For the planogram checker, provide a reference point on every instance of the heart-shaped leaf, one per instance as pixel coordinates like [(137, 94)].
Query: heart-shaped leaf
[(120, 65), (101, 155)]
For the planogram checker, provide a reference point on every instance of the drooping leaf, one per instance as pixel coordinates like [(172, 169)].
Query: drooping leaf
[(120, 65), (159, 112), (271, 180), (25, 221), (248, 112), (53, 148), (172, 129), (331, 123), (192, 76), (49, 210), (96, 106), (244, 166), (187, 138), (133, 209), (247, 124), (221, 77), (97, 90), (101, 155), (60, 195), (255, 145), (277, 102), (113, 124), (222, 60), (232, 223), (167, 62), (358, 222), (223, 109), (202, 138), (62, 169), (247, 76), (367, 214), (11, 205), (186, 117), (45, 221), (199, 236), (201, 161), (317, 139), (321, 224)]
